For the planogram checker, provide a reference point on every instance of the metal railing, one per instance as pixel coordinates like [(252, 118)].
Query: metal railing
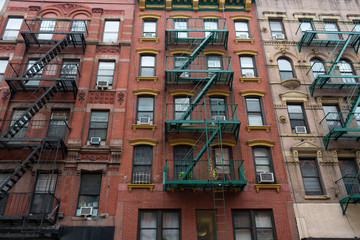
[(326, 29), (200, 64), (56, 26), (349, 185), (344, 72), (195, 25), (333, 120), (141, 178)]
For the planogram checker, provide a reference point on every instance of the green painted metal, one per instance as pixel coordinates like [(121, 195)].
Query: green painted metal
[(349, 190), (352, 110)]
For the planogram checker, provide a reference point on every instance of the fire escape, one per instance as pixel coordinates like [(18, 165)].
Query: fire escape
[(337, 77), (29, 142), (208, 119)]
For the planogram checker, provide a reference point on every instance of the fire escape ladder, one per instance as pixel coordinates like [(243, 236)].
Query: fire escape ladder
[(220, 212)]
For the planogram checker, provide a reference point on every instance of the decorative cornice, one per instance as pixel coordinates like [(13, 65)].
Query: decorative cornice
[(218, 92), (247, 5), (180, 16), (146, 92), (260, 142), (224, 142), (252, 93), (147, 50), (214, 51), (182, 92), (182, 141), (97, 10), (240, 17), (246, 52), (149, 15), (145, 141), (180, 51), (210, 16)]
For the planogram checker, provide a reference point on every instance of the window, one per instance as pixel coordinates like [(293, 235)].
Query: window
[(285, 69), (89, 193), (159, 224), (317, 67), (262, 161), (253, 225), (3, 201), (254, 111), (149, 28), (78, 26), (38, 75), (12, 28), (357, 115), (277, 31), (111, 31), (70, 69), (183, 156), (297, 117), (105, 72), (247, 65), (306, 25), (179, 60), (47, 26), (223, 162), (310, 176), (346, 69), (147, 66), (205, 225), (242, 29), (142, 164), (356, 26), (331, 26), (16, 115), (58, 124), (98, 125), (43, 198), (214, 64), (349, 172), (210, 24), (3, 65), (333, 117), (181, 24), (218, 108), (182, 104), (145, 109)]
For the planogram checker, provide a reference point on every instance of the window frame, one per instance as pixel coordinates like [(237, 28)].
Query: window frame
[(357, 115), (107, 124), (152, 117), (141, 67), (318, 176), (217, 111), (75, 26), (49, 28), (211, 21), (12, 29), (175, 104), (100, 62), (184, 34), (149, 165), (180, 163), (350, 71), (149, 20), (82, 193), (253, 67), (3, 67), (333, 36), (315, 61), (274, 33), (221, 167), (260, 112), (115, 40), (238, 32), (338, 122), (270, 162), (304, 118), (286, 71)]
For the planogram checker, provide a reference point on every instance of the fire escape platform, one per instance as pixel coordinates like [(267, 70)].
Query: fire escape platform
[(349, 190)]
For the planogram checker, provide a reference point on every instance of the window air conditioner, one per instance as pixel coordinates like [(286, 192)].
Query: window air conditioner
[(266, 177), (185, 74), (243, 36), (95, 140), (86, 211), (220, 118), (279, 36), (249, 74), (149, 34), (143, 120), (300, 129), (102, 84)]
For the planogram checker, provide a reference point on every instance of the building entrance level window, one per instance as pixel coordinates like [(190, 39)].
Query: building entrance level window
[(3, 65), (317, 67), (205, 225), (253, 225), (147, 66), (89, 194), (37, 76), (105, 73), (247, 66), (210, 24), (43, 199), (145, 110), (276, 28), (181, 24), (159, 224), (242, 30), (218, 108), (254, 112), (46, 26), (310, 176), (181, 106), (142, 164), (262, 160), (183, 155), (12, 29), (333, 117), (285, 69), (297, 118), (346, 69), (98, 125), (58, 124), (149, 28), (111, 31), (331, 26)]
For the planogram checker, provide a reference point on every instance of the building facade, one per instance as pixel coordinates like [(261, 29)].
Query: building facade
[(311, 50)]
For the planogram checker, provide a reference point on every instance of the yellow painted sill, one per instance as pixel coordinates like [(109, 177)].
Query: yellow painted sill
[(140, 78), (141, 186), (149, 39), (267, 186), (317, 197), (144, 126), (250, 79), (242, 40), (266, 128)]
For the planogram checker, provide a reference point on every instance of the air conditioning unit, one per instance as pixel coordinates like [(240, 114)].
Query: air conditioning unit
[(143, 120), (279, 36), (300, 129), (249, 74), (266, 177), (86, 211), (149, 34), (102, 84), (95, 140), (243, 36), (185, 74), (220, 118)]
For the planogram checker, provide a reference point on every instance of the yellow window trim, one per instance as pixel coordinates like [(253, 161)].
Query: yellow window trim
[(148, 50), (267, 186), (241, 40), (252, 93), (246, 52), (248, 5), (149, 39), (210, 16), (266, 128), (182, 92), (141, 186), (141, 78), (144, 141), (218, 92), (260, 142), (150, 15), (146, 92), (182, 141), (250, 79), (180, 16), (144, 126), (214, 51), (240, 17), (180, 51), (224, 142)]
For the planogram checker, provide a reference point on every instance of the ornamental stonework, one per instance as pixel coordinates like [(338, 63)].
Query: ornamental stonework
[(102, 97), (7, 48), (94, 157), (107, 50)]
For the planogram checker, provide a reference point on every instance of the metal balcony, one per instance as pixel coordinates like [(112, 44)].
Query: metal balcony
[(205, 174), (349, 190), (194, 30), (328, 33)]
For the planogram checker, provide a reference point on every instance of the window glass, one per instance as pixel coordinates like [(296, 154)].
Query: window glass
[(43, 200), (331, 26), (78, 26), (296, 117), (181, 106), (12, 28), (333, 117), (147, 66), (58, 124), (306, 25), (37, 75), (346, 69), (285, 69), (89, 194), (242, 29), (183, 155), (98, 125), (3, 65), (254, 111), (247, 66), (106, 72), (181, 24), (205, 225), (47, 26), (223, 159), (218, 108), (142, 164), (317, 67), (179, 62), (357, 115), (210, 24), (16, 115), (111, 31), (262, 160), (149, 28), (310, 177), (276, 28), (145, 107)]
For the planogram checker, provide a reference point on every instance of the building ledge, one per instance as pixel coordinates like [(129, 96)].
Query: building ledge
[(140, 78), (149, 39), (250, 79), (144, 126), (266, 128), (244, 40), (317, 197), (267, 186), (141, 186)]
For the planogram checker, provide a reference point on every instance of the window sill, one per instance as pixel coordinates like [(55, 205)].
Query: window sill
[(250, 79), (316, 197), (140, 78), (141, 186), (266, 128), (144, 126), (242, 40), (149, 39), (267, 186)]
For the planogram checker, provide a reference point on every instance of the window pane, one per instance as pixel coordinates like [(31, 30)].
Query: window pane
[(312, 186), (148, 61), (246, 62), (111, 26), (171, 234), (243, 234), (90, 184), (148, 220), (170, 220), (275, 26), (46, 183), (241, 26), (143, 155), (284, 65), (99, 116), (146, 104), (263, 219), (242, 219), (253, 104), (147, 234), (308, 168), (255, 119), (264, 234)]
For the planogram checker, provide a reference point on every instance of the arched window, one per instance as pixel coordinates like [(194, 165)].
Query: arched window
[(346, 69), (317, 67), (285, 69)]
